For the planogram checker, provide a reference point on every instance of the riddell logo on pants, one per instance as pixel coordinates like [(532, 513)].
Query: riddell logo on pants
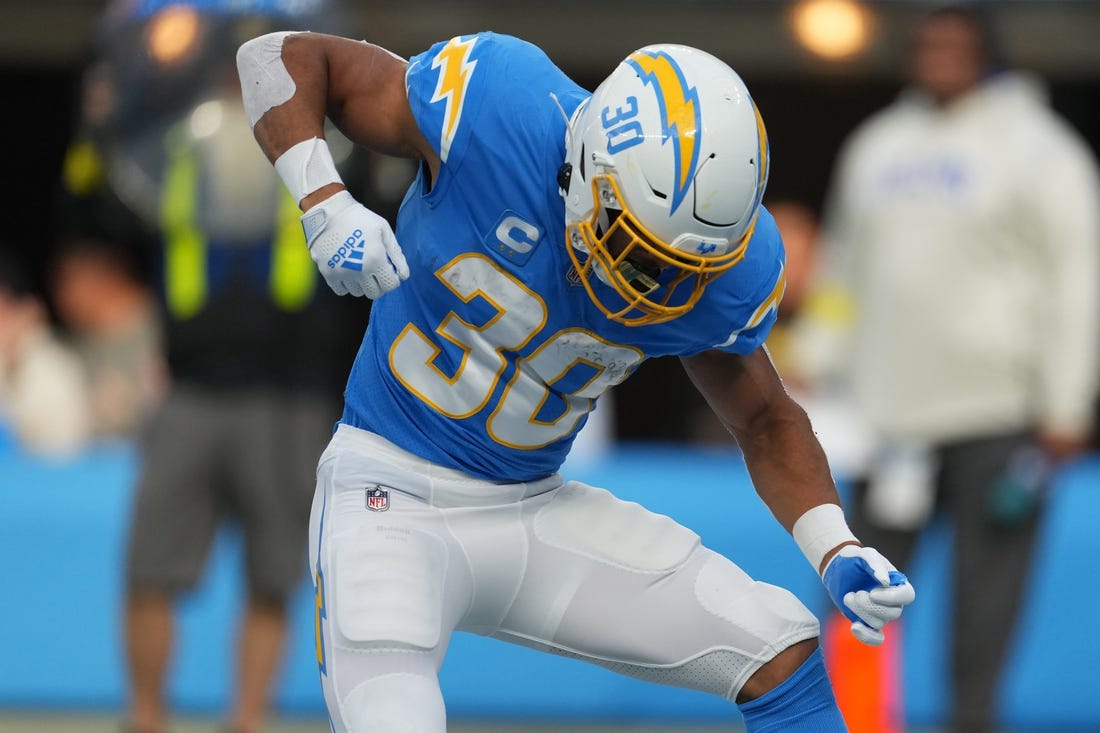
[(350, 254)]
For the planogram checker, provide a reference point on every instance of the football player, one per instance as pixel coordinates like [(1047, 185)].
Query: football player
[(552, 241)]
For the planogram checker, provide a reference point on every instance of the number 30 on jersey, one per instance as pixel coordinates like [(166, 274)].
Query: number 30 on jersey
[(519, 418)]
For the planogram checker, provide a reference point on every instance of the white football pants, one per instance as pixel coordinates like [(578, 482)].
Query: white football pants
[(554, 565)]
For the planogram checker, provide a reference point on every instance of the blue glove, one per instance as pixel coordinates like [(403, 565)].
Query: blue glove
[(868, 590)]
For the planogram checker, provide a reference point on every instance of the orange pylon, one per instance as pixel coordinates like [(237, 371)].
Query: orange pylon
[(866, 679)]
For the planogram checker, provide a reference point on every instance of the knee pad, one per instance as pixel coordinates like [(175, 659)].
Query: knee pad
[(394, 703), (773, 614), (767, 618), (387, 588)]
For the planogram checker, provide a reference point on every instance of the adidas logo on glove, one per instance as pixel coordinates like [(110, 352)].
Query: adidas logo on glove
[(350, 254), (368, 261)]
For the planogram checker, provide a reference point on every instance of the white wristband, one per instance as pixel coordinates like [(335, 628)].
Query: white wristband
[(306, 167), (820, 530)]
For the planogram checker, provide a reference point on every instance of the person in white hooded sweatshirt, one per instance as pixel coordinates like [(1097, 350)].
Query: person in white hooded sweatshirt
[(963, 221)]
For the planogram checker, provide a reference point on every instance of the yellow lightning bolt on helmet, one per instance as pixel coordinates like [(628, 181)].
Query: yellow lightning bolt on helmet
[(667, 164)]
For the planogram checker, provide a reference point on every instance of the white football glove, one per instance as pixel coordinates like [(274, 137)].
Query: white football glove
[(354, 248), (868, 590)]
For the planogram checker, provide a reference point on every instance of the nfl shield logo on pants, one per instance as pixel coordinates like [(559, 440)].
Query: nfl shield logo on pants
[(378, 499)]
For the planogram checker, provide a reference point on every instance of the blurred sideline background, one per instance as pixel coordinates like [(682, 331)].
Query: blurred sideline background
[(63, 520)]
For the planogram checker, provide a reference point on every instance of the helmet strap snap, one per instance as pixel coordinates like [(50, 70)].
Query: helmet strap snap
[(565, 175)]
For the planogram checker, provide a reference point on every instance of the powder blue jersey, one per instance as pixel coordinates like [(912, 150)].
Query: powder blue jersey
[(490, 356)]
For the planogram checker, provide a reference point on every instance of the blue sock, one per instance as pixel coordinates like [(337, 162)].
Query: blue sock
[(803, 703)]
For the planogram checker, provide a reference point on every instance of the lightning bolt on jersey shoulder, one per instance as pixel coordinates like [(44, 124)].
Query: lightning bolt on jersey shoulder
[(455, 69)]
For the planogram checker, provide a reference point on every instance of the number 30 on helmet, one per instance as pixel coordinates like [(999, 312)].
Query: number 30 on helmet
[(666, 165)]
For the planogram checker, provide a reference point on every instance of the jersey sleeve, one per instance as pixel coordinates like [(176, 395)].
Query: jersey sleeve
[(471, 87), (763, 274)]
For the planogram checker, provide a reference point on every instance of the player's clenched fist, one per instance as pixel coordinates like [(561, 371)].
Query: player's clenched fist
[(867, 589), (354, 248)]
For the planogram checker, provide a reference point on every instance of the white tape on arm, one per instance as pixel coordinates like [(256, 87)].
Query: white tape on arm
[(265, 82), (306, 167), (820, 530)]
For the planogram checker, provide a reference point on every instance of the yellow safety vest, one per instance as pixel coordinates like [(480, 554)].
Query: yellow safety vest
[(292, 276)]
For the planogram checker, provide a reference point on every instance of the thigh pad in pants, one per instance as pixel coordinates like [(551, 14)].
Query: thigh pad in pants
[(596, 524), (388, 587)]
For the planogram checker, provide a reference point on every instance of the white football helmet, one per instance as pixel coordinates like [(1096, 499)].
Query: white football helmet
[(665, 168)]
